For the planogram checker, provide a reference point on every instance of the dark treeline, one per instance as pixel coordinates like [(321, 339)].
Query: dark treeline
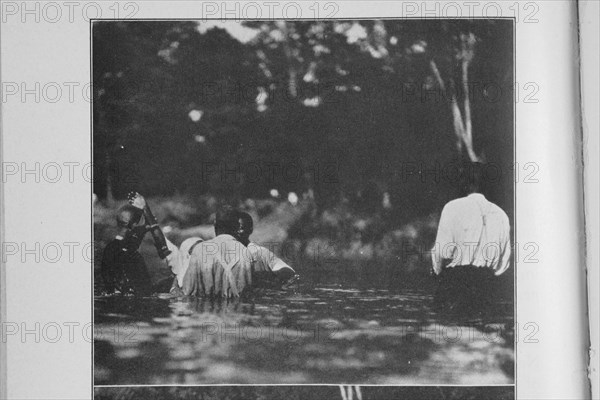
[(346, 110)]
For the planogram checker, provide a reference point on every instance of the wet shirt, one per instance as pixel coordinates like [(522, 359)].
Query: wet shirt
[(264, 260), (472, 231), (179, 259), (219, 267)]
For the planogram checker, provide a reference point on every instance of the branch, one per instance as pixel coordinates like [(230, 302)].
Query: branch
[(456, 114), (462, 129), (457, 118), (459, 128), (468, 136), (438, 76), (467, 45), (465, 77), (468, 132)]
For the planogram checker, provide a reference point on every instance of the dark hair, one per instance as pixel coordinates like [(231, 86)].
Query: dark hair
[(247, 220), (245, 228), (226, 221), (472, 178)]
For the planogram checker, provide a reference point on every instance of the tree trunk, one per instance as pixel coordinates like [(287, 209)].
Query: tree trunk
[(468, 132), (462, 128)]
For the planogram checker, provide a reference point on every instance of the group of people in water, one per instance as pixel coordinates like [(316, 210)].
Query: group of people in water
[(472, 249), (223, 266)]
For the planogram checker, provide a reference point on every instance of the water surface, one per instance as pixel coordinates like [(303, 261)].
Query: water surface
[(334, 331)]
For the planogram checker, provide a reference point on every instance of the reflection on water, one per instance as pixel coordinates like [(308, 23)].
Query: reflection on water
[(348, 332)]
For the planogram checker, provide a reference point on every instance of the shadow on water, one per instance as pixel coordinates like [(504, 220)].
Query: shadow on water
[(331, 328)]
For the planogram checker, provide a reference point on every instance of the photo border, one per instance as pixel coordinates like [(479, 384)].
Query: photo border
[(513, 234)]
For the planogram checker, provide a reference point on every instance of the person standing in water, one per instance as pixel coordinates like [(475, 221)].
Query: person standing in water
[(472, 247), (123, 268), (219, 267), (263, 260)]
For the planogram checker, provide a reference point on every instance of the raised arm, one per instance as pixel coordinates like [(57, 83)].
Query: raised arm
[(137, 200)]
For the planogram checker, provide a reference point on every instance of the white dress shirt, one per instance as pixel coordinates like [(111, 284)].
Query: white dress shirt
[(218, 267), (472, 231), (264, 259), (179, 259)]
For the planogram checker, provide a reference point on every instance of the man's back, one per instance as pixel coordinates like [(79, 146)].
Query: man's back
[(473, 231), (219, 267)]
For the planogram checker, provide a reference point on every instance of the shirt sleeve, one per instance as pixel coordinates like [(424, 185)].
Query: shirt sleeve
[(267, 260), (172, 258), (444, 236)]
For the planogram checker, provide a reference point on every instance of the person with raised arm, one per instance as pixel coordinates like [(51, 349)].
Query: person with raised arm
[(123, 268), (176, 258)]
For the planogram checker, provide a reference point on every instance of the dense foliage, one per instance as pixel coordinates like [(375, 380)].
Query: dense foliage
[(344, 111)]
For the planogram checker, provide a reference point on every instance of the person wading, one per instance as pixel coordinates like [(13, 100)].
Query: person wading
[(219, 267), (472, 247), (123, 268)]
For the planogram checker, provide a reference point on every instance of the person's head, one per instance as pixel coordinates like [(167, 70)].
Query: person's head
[(226, 221), (245, 228), (128, 216), (471, 178)]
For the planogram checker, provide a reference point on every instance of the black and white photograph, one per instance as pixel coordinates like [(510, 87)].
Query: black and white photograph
[(303, 202), (346, 200)]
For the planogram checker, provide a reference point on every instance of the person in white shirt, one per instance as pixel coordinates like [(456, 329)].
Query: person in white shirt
[(219, 267), (265, 264), (264, 261), (472, 246), (179, 260)]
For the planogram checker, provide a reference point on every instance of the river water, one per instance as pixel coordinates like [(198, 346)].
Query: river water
[(338, 328)]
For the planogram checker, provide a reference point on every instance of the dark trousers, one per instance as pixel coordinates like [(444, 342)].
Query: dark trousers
[(465, 290)]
